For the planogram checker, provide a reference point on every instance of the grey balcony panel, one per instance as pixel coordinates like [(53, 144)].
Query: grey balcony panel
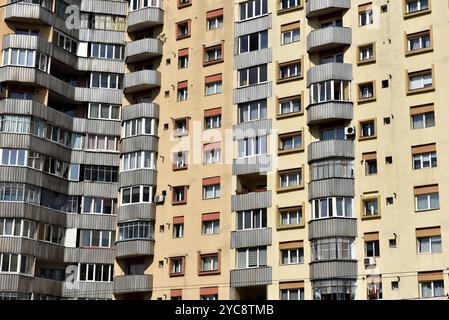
[(315, 8), (332, 227), (104, 127), (140, 110), (99, 65), (29, 13), (256, 164), (254, 92), (95, 158), (32, 108), (251, 238), (145, 18), (252, 200), (328, 38), (89, 255), (253, 58), (333, 270), (21, 283), (139, 143), (41, 250), (253, 25), (251, 277), (331, 149), (143, 49), (329, 71), (22, 210), (135, 248), (98, 95), (23, 41), (141, 80), (92, 221), (106, 36), (33, 177), (333, 187), (94, 189), (91, 290), (105, 7), (252, 129), (138, 211), (133, 283), (138, 177), (329, 111)]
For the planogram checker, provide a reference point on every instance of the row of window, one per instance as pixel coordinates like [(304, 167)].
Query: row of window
[(32, 230)]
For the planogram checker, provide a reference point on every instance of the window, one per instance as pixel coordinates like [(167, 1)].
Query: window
[(17, 228), (251, 219), (16, 263), (65, 42), (98, 205), (370, 207), (290, 32), (366, 53), (209, 297), (13, 157), (252, 111), (182, 91), (213, 87), (290, 217), (98, 21), (370, 163), (334, 168), (413, 6), (96, 238), (96, 272), (137, 194), (105, 80), (139, 160), (100, 173), (367, 129), (213, 55), (332, 207), (333, 57), (104, 111), (19, 57), (183, 58), (253, 75), (178, 227), (136, 230), (106, 51), (365, 15), (210, 223), (418, 42), (334, 248), (290, 179), (427, 198), (252, 146), (430, 289), (179, 195), (177, 266), (367, 91), (420, 80), (209, 263), (183, 29), (290, 105), (292, 252), (184, 3), (214, 19), (429, 240), (140, 4), (211, 188), (212, 122), (180, 160), (251, 257), (331, 90), (372, 248), (181, 126), (253, 9), (285, 5), (19, 192), (374, 287), (212, 153), (289, 70), (253, 42), (290, 142), (140, 126), (292, 294), (424, 156), (423, 120)]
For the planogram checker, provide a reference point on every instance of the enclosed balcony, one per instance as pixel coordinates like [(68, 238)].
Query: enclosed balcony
[(315, 8), (135, 248), (333, 269), (146, 17), (27, 11), (330, 149), (133, 283), (251, 277), (251, 238), (329, 71), (329, 111), (333, 187), (141, 80), (328, 38), (332, 227), (143, 49), (251, 193)]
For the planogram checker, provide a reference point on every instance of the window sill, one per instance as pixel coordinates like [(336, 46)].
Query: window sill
[(372, 217), (366, 100), (184, 5), (419, 51), (183, 37), (289, 115), (420, 90), (365, 62), (173, 275), (280, 190), (288, 10), (300, 77), (212, 62), (179, 135), (368, 138), (290, 151), (289, 227), (426, 210), (179, 203), (180, 168), (208, 273), (417, 13)]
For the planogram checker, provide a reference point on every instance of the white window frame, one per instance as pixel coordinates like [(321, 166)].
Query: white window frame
[(316, 205)]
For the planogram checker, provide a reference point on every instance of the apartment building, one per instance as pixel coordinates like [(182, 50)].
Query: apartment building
[(186, 149)]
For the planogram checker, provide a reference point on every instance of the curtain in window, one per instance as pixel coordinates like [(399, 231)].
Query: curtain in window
[(426, 289), (424, 245), (438, 288)]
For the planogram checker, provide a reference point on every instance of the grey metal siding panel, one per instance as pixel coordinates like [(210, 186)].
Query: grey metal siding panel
[(251, 277), (135, 248), (91, 35), (20, 283), (332, 227), (93, 290), (254, 92), (140, 211), (41, 250), (331, 149), (144, 18), (129, 284), (140, 78), (253, 25), (144, 46), (333, 270), (95, 158), (252, 128), (104, 127), (23, 41), (251, 238), (333, 187), (27, 11), (326, 38), (254, 58), (92, 221), (248, 165), (94, 189), (105, 6), (28, 211), (329, 71), (86, 255), (138, 177), (253, 200), (140, 110), (98, 95), (139, 143), (317, 7), (100, 65), (329, 111)]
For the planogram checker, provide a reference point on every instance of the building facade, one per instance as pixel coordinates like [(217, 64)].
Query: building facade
[(185, 149)]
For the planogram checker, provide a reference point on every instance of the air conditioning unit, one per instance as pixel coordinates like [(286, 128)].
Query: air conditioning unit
[(159, 199), (370, 261), (349, 131)]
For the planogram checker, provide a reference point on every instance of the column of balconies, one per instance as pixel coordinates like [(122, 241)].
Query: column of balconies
[(331, 195)]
